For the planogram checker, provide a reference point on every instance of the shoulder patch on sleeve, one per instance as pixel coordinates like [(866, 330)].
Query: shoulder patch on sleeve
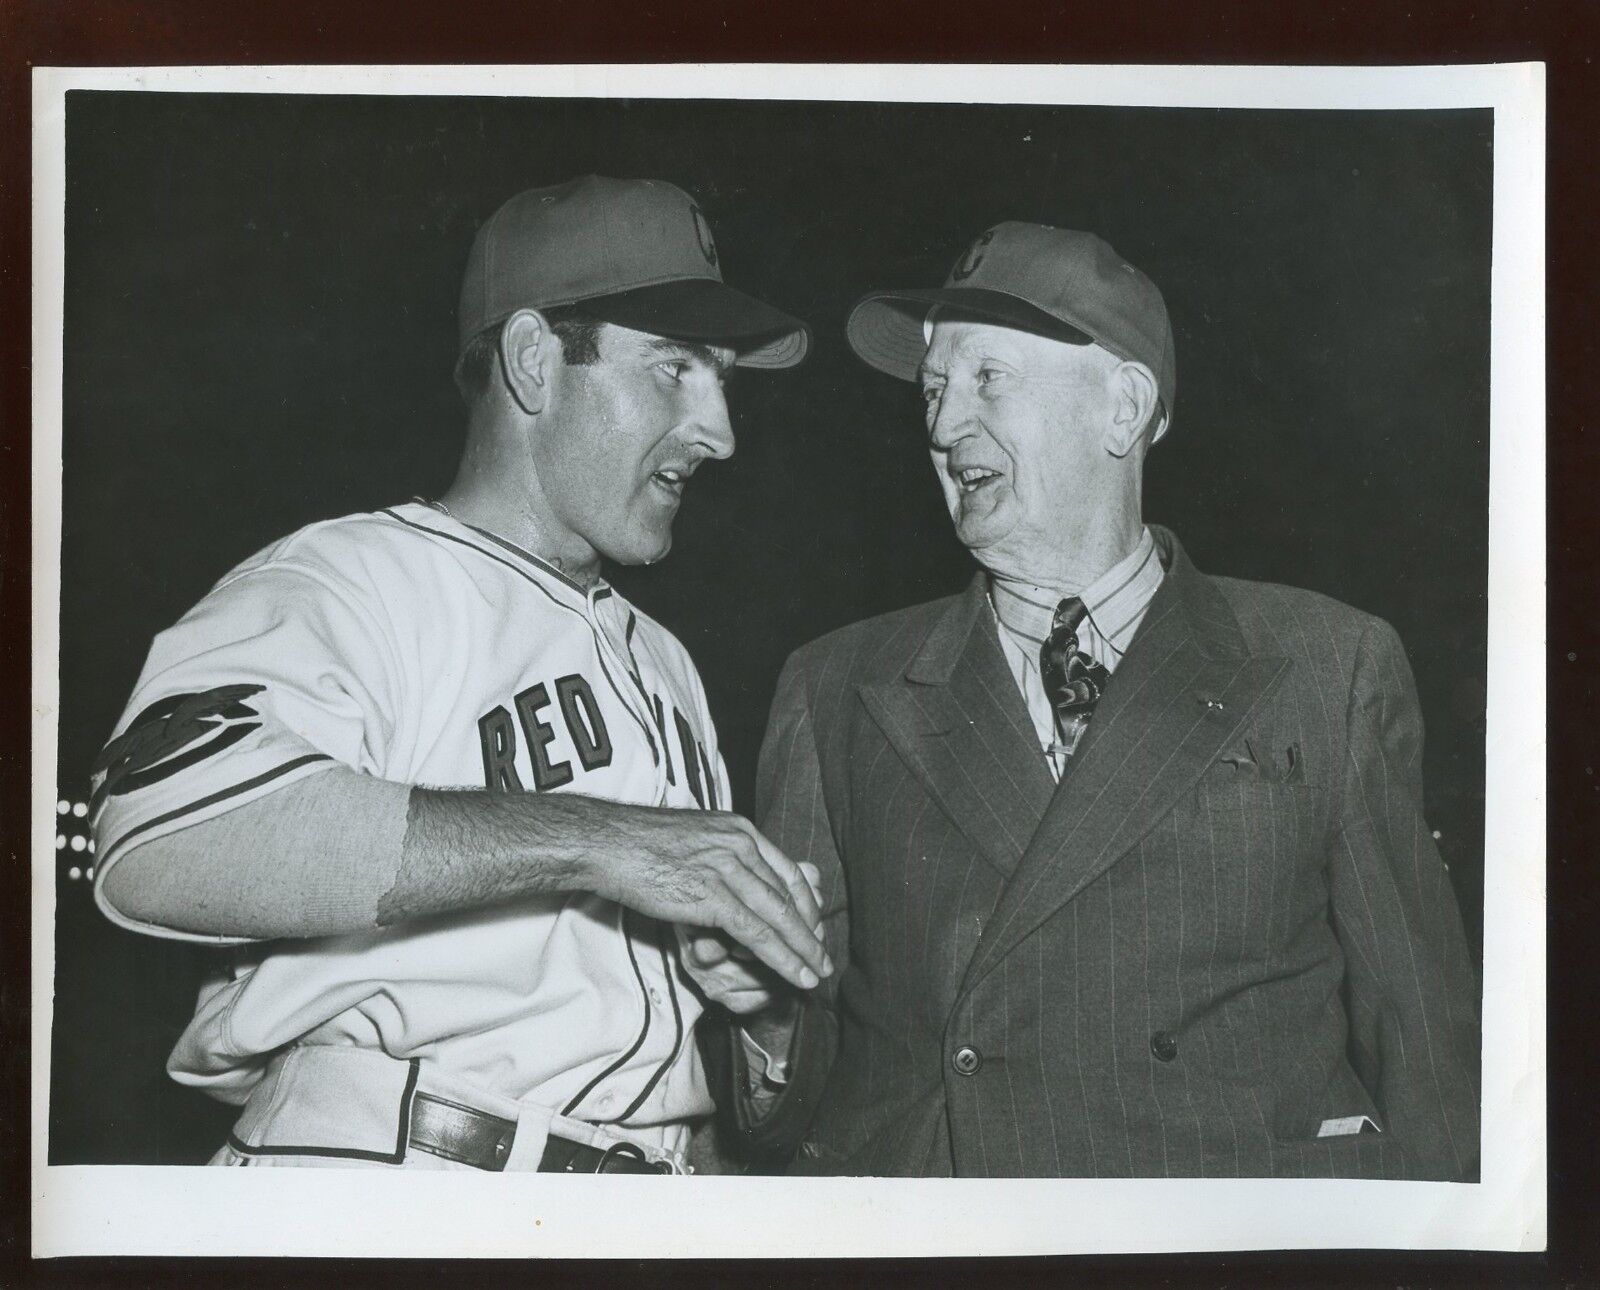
[(162, 740)]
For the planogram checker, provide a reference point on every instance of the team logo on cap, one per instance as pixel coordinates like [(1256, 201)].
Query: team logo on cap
[(973, 258), (702, 232)]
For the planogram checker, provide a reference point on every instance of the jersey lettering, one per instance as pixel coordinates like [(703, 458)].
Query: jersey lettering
[(160, 741), (710, 779), (540, 734), (498, 735), (691, 767), (585, 724), (661, 726)]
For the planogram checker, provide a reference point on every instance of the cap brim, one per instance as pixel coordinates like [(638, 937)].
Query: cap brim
[(708, 312), (886, 328)]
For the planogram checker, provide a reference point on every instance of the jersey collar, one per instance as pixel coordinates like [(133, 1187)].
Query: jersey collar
[(599, 590)]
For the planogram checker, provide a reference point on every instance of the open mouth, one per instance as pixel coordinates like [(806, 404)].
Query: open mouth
[(971, 478), (671, 479)]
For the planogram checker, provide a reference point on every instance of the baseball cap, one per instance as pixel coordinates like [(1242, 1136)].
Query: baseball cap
[(634, 252), (1058, 282)]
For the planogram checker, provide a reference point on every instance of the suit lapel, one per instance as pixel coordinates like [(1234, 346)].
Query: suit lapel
[(1184, 690), (959, 723)]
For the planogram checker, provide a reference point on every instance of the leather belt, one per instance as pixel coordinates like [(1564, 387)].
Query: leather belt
[(472, 1137)]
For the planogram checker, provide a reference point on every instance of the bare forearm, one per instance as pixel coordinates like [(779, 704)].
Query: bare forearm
[(344, 852), (331, 858), (706, 869), (467, 849)]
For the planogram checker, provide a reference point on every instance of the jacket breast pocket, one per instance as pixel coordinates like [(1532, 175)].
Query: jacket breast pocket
[(1253, 854), (1248, 794)]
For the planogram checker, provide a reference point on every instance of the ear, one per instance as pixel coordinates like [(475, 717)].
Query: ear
[(527, 349), (1135, 405)]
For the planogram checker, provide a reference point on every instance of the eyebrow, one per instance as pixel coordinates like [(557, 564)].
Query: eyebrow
[(690, 349)]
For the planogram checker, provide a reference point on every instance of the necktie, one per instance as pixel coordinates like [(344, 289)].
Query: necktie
[(1073, 681)]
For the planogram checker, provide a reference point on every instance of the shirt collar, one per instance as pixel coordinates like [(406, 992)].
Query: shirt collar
[(569, 587), (1116, 600)]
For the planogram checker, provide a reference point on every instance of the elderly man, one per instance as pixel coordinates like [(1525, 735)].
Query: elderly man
[(1124, 865), (440, 788)]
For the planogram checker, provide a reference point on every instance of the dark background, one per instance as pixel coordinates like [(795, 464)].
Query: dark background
[(260, 297)]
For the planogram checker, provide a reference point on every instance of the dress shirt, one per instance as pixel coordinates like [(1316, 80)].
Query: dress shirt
[(1116, 602)]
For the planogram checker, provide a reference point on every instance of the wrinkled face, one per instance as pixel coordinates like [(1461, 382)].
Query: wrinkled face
[(620, 438), (1016, 427)]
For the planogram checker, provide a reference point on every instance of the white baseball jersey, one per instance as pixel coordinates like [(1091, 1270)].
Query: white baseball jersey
[(412, 647)]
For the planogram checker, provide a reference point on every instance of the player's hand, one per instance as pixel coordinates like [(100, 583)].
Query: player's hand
[(712, 870), (726, 972)]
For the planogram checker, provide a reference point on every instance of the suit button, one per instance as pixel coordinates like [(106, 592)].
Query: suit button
[(1164, 1046), (967, 1060)]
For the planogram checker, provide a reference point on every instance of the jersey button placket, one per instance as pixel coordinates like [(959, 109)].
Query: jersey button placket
[(625, 669)]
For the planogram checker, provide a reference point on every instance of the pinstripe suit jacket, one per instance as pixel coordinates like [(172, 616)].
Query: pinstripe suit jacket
[(1228, 924)]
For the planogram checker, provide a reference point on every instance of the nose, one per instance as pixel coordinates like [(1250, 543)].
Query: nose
[(951, 422), (710, 427)]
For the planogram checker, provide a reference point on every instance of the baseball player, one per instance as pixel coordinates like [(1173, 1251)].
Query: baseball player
[(444, 794)]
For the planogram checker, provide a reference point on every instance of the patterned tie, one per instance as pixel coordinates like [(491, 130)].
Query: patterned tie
[(1072, 680)]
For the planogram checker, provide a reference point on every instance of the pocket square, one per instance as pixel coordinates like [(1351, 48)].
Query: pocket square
[(1286, 767), (1294, 768), (1242, 759)]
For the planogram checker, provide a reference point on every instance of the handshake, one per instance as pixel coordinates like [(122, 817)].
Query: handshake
[(735, 975), (748, 918)]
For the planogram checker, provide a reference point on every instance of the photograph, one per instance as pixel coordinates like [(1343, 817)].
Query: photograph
[(784, 637)]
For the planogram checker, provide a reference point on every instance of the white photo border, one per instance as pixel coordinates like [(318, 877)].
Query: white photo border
[(129, 1210)]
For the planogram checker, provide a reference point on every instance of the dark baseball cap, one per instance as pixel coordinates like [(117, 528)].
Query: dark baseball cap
[(1057, 282), (634, 252)]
